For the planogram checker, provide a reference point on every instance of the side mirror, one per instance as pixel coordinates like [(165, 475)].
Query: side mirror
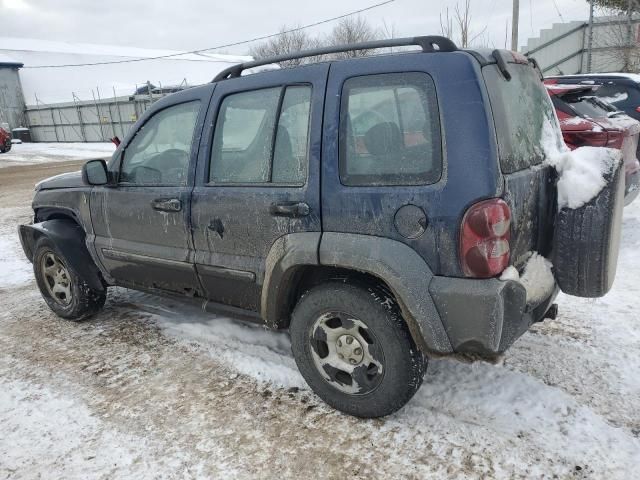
[(95, 172)]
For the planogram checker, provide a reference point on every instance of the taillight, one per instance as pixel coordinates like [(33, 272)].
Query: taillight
[(638, 109), (484, 238), (585, 139)]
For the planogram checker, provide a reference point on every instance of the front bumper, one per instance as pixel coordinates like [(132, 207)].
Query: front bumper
[(485, 317)]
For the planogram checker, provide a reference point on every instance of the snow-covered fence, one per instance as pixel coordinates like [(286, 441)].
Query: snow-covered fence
[(95, 120)]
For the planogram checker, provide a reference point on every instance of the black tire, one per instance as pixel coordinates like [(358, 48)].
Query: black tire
[(586, 241), (388, 340), (82, 301)]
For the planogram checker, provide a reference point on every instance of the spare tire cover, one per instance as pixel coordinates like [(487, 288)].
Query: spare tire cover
[(587, 239)]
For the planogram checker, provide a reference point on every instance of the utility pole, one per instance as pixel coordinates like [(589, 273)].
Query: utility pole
[(629, 46), (514, 25), (590, 37)]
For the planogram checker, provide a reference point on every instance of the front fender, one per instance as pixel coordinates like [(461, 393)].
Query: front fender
[(403, 270), (68, 238)]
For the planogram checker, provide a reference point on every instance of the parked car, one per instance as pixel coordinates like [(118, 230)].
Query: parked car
[(586, 120), (622, 90), (5, 140), (300, 199)]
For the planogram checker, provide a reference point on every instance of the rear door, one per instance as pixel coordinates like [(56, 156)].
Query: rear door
[(382, 151), (258, 177), (141, 225), (527, 132)]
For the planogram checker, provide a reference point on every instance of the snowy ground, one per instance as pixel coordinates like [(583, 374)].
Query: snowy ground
[(34, 153), (153, 388)]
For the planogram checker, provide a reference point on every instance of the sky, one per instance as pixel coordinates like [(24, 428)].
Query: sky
[(194, 24)]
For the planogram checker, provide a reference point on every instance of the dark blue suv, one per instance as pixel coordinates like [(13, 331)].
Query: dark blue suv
[(369, 206)]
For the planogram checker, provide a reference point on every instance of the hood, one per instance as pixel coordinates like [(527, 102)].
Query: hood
[(64, 180)]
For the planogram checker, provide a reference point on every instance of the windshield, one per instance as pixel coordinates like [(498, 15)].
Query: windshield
[(524, 117)]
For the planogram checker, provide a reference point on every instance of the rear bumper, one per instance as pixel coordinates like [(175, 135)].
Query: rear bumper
[(485, 317), (631, 187)]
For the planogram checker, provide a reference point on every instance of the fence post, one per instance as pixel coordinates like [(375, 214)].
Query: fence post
[(79, 110), (98, 114), (115, 98), (113, 128), (64, 135), (55, 128)]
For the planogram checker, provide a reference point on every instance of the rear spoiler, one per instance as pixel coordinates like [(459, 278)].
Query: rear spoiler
[(505, 57)]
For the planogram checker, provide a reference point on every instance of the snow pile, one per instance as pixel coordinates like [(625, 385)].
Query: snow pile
[(582, 173), (35, 153), (15, 270), (618, 97), (537, 278)]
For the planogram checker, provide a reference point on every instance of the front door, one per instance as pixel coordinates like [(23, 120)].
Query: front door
[(258, 177), (142, 225)]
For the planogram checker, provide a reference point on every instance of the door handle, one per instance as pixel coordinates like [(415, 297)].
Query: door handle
[(289, 209), (167, 204)]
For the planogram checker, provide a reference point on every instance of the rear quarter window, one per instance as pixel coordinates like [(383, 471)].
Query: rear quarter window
[(389, 131), (524, 117)]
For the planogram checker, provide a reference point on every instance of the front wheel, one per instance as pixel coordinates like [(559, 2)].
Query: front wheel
[(354, 349), (66, 294)]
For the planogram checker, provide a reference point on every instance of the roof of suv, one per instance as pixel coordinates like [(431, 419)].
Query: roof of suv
[(431, 43), (428, 44)]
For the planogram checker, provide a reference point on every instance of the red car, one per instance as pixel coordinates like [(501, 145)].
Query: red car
[(5, 140), (586, 120)]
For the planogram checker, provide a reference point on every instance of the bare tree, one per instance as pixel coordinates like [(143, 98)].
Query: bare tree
[(353, 30), (286, 42), (347, 30), (457, 25), (615, 41)]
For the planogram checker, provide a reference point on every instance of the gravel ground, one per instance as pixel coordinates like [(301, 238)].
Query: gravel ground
[(152, 388)]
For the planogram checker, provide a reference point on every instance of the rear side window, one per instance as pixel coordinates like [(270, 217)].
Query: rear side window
[(262, 136), (523, 114), (614, 94), (389, 130)]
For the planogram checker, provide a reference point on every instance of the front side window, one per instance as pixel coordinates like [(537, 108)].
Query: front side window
[(390, 130), (262, 136), (159, 153)]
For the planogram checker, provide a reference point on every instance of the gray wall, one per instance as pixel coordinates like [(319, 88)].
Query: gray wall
[(11, 99), (86, 121)]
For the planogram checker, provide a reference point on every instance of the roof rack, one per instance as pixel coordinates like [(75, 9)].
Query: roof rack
[(431, 43)]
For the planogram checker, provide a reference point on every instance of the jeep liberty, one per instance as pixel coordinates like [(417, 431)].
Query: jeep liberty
[(368, 206)]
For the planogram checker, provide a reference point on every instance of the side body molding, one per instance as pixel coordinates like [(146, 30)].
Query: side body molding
[(287, 253), (68, 238), (403, 270)]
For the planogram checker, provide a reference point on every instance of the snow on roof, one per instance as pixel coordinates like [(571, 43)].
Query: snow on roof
[(8, 60), (27, 45), (56, 85), (631, 76)]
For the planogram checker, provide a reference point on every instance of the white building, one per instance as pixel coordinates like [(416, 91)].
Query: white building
[(50, 84)]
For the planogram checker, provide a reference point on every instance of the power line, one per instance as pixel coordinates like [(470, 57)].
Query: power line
[(555, 4), (201, 50)]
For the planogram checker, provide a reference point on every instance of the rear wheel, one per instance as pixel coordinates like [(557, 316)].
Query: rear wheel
[(354, 349), (66, 294)]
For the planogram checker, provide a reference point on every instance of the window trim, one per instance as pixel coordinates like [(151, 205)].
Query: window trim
[(283, 89), (122, 155), (435, 117)]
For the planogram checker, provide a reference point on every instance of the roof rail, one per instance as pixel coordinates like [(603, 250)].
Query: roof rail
[(431, 43)]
